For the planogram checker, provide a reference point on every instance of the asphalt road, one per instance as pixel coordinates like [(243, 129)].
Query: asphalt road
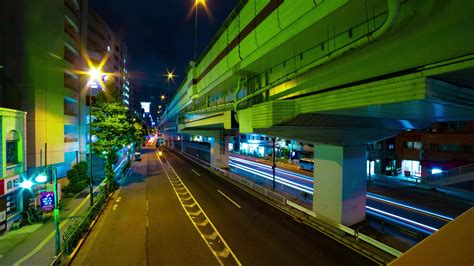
[(257, 233), (121, 235)]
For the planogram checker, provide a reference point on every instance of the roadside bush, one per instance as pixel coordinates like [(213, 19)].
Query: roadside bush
[(78, 179)]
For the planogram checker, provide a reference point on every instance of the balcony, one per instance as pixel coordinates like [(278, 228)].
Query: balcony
[(71, 17), (70, 82), (72, 32), (71, 57), (71, 9)]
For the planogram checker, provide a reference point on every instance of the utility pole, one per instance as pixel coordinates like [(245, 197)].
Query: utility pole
[(91, 190), (274, 164)]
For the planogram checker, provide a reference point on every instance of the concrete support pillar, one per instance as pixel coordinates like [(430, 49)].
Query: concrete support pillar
[(340, 183), (181, 138), (220, 151)]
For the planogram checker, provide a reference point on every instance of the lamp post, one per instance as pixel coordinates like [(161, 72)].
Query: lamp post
[(94, 76), (196, 4), (43, 178)]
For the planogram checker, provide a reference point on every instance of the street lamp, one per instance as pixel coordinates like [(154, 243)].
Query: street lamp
[(196, 4), (42, 178), (95, 76)]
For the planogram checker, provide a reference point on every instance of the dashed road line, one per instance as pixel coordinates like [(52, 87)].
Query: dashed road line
[(195, 172), (222, 193), (208, 232)]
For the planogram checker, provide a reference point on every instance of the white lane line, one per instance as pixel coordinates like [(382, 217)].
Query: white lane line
[(222, 193), (196, 172), (114, 207)]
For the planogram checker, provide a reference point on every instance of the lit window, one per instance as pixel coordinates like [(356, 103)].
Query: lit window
[(13, 148)]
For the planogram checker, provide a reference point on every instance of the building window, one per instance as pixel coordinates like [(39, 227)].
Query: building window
[(12, 148), (417, 145), (449, 147)]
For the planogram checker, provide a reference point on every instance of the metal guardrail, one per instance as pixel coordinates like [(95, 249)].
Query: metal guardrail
[(76, 231), (343, 234), (466, 169)]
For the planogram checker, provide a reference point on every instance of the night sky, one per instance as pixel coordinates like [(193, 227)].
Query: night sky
[(160, 35)]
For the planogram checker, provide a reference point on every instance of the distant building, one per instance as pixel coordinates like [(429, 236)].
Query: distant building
[(442, 147), (40, 55), (420, 153), (102, 43)]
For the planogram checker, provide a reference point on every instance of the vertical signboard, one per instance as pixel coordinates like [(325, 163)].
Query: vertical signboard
[(47, 201)]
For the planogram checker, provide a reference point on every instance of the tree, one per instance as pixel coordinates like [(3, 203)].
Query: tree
[(139, 133), (113, 128)]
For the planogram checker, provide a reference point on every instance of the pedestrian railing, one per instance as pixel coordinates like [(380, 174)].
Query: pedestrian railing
[(465, 169), (73, 234)]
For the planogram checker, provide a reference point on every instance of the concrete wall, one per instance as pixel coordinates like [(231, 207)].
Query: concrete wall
[(451, 245), (34, 69)]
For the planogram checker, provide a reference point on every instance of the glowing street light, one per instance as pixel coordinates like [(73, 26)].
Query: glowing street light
[(170, 76), (41, 178), (196, 4), (95, 74), (26, 184), (162, 97)]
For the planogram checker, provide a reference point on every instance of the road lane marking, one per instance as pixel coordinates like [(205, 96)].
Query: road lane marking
[(190, 205), (114, 207), (118, 199), (222, 193), (196, 172), (204, 223)]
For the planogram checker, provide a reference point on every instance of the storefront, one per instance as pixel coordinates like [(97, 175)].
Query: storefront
[(9, 201), (12, 165)]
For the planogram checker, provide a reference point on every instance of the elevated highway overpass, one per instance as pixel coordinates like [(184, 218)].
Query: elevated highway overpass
[(339, 74)]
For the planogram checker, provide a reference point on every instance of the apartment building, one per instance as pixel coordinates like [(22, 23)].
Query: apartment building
[(41, 55), (103, 43)]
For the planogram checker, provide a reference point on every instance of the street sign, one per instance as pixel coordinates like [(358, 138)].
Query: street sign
[(47, 201)]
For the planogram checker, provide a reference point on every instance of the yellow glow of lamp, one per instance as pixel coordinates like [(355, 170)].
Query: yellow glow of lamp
[(95, 74), (162, 97)]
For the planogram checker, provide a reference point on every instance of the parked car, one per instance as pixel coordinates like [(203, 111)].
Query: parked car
[(137, 156)]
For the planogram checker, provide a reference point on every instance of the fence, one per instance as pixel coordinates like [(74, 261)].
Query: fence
[(76, 231), (449, 173)]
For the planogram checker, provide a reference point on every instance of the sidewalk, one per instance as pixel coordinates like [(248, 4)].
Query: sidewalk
[(34, 244)]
